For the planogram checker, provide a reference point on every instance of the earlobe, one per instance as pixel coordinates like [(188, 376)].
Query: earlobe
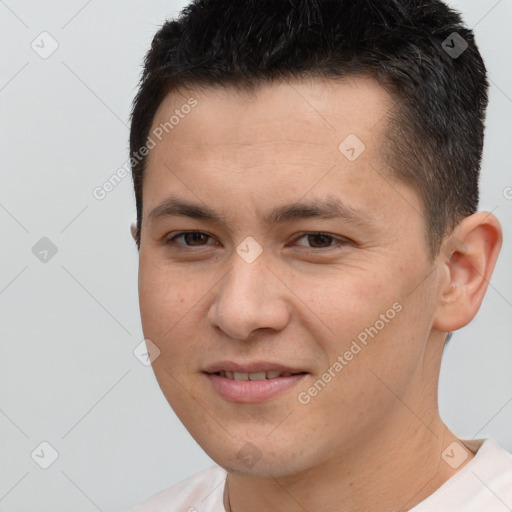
[(133, 229), (469, 256)]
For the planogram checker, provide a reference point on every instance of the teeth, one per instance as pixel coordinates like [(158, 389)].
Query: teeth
[(257, 376), (254, 376)]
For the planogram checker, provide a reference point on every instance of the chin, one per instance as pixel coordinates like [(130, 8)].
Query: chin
[(283, 466), (260, 458)]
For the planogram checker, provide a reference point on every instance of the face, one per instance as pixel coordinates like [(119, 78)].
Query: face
[(324, 314)]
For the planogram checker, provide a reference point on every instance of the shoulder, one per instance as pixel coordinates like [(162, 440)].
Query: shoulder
[(492, 468), (484, 484), (201, 491)]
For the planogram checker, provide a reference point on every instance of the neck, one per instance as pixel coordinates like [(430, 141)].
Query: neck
[(392, 471)]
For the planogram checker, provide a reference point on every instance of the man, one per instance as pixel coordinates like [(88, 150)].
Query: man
[(306, 181)]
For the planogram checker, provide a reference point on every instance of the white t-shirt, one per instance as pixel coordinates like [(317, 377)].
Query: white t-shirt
[(482, 485)]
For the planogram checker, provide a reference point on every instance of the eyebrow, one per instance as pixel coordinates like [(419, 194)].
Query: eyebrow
[(321, 208)]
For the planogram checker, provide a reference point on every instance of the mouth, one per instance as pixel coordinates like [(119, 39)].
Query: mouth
[(239, 376), (252, 383)]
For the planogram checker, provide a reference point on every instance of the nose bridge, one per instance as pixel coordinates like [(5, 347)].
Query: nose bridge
[(248, 298), (249, 265), (247, 279)]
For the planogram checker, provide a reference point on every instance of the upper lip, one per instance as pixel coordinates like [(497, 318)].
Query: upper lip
[(251, 367)]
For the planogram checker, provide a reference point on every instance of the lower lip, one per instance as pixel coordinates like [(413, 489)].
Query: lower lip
[(252, 391)]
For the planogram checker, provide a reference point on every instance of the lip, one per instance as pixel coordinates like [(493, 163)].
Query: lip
[(252, 367), (252, 391)]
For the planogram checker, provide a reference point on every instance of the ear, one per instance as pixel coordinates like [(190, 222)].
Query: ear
[(133, 229), (467, 259)]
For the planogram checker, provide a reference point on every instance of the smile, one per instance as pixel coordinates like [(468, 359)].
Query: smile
[(255, 376), (252, 387)]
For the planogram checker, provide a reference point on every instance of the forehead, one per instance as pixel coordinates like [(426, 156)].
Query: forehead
[(281, 139), (308, 110), (305, 123)]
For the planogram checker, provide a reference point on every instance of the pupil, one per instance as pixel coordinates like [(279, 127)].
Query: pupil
[(316, 237), (195, 236)]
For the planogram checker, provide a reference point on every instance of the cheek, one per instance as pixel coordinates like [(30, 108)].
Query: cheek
[(347, 301), (373, 325), (166, 308), (162, 288), (172, 305), (160, 301)]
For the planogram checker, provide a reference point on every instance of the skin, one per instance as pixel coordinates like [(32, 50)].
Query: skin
[(372, 439)]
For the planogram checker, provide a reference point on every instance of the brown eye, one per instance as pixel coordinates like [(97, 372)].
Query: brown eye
[(322, 240), (191, 238)]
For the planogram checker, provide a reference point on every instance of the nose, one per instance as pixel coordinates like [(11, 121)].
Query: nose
[(250, 298)]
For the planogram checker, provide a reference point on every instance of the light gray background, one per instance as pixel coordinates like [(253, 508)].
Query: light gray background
[(69, 326)]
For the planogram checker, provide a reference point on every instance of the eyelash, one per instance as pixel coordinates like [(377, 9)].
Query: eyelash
[(340, 240)]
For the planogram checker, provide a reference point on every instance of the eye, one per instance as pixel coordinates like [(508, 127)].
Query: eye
[(319, 240), (322, 239), (195, 237)]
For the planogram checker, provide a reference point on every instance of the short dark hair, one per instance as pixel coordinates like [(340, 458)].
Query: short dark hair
[(437, 80)]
